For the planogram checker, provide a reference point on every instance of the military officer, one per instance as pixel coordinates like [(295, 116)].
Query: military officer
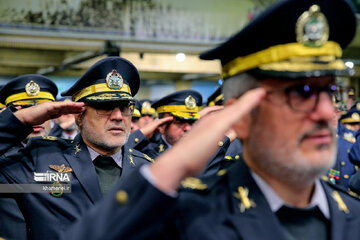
[(93, 162), (275, 192), (181, 108), (143, 114), (344, 168), (136, 116), (148, 113), (229, 148), (23, 91)]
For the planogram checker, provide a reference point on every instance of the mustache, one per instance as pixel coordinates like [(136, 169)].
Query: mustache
[(118, 125), (319, 126)]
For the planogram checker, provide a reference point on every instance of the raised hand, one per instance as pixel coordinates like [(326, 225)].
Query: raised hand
[(190, 154), (38, 114), (151, 127)]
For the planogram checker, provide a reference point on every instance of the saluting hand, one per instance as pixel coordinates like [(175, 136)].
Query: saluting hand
[(151, 127), (190, 154), (40, 113)]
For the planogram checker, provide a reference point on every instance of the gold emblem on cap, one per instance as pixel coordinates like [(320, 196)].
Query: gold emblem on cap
[(190, 102), (312, 28), (32, 88), (355, 116), (146, 105), (114, 80)]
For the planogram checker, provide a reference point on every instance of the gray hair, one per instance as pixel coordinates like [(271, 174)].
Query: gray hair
[(236, 86)]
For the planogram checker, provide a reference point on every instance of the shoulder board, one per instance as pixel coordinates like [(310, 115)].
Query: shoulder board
[(353, 194), (50, 138), (46, 140), (137, 153), (339, 188), (148, 158), (202, 183)]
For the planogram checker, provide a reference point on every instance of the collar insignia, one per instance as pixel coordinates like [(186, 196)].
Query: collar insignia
[(61, 168), (190, 102), (77, 148), (342, 206), (312, 28), (32, 88), (246, 203), (114, 80), (161, 147), (131, 160)]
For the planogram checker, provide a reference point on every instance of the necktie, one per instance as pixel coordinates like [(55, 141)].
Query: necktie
[(108, 172), (301, 224)]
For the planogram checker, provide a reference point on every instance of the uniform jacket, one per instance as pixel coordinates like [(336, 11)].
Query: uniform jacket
[(343, 164), (227, 153), (209, 208), (214, 210), (152, 147), (12, 222), (45, 214)]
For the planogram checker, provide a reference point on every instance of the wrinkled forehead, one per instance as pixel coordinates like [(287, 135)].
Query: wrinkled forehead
[(317, 81)]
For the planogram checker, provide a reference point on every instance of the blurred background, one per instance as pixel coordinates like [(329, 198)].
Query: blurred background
[(163, 38)]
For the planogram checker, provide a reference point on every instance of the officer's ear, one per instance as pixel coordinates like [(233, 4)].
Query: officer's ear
[(242, 127), (78, 119), (162, 128)]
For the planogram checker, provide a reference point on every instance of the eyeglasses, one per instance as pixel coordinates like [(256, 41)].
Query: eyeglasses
[(303, 97), (106, 108)]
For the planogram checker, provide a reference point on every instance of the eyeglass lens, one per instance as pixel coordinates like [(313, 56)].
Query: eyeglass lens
[(304, 97), (106, 109)]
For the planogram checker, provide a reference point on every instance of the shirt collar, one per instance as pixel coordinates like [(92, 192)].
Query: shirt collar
[(117, 156), (168, 144), (69, 136), (318, 198)]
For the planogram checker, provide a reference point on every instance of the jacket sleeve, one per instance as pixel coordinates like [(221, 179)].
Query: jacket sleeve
[(12, 130), (135, 210)]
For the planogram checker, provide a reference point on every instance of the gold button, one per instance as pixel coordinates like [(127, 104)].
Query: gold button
[(346, 176), (348, 150), (237, 157), (136, 140), (356, 167), (342, 163), (221, 172), (220, 143), (121, 197), (130, 150)]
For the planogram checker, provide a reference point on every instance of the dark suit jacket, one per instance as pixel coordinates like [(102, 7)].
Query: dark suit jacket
[(45, 214)]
